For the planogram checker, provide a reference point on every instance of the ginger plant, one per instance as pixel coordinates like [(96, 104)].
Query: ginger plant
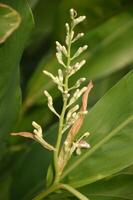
[(71, 116)]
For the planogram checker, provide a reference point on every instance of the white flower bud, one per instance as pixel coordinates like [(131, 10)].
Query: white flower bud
[(79, 144), (61, 48), (60, 74), (39, 137), (71, 112), (72, 35), (54, 78), (85, 135), (76, 95), (76, 67), (59, 58), (73, 13), (50, 100), (67, 33), (38, 130), (67, 27), (79, 51), (81, 91), (79, 20), (79, 82), (58, 46), (78, 37), (80, 64), (50, 103), (64, 51)]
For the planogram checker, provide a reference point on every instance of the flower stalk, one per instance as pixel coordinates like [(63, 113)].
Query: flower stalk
[(71, 116)]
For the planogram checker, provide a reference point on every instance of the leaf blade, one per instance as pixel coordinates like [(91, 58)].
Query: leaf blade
[(10, 20)]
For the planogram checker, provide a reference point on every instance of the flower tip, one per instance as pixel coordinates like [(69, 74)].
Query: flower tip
[(84, 61), (33, 123), (45, 92), (13, 134), (86, 46), (71, 10), (56, 42), (90, 85), (44, 71), (73, 13), (86, 134), (66, 24)]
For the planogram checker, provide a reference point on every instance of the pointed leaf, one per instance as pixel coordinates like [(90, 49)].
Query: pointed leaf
[(9, 21)]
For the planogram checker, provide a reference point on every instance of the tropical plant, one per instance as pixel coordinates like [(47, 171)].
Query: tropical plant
[(86, 152)]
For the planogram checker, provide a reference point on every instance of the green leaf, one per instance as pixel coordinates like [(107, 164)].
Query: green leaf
[(110, 49), (10, 56), (44, 17), (118, 187), (110, 123), (9, 21)]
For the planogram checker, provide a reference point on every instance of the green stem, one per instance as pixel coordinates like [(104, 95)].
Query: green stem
[(73, 191), (61, 121), (53, 188), (45, 193)]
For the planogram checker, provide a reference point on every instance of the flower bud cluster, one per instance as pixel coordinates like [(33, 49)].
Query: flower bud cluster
[(70, 97), (73, 69), (76, 95), (38, 136), (79, 51), (80, 144), (75, 20)]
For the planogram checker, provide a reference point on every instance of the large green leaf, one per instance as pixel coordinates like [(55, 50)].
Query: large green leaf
[(106, 115), (110, 49), (10, 56), (9, 21), (118, 187), (110, 123)]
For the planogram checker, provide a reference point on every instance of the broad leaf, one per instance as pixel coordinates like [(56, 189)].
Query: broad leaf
[(9, 21), (118, 187), (10, 56), (110, 123)]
